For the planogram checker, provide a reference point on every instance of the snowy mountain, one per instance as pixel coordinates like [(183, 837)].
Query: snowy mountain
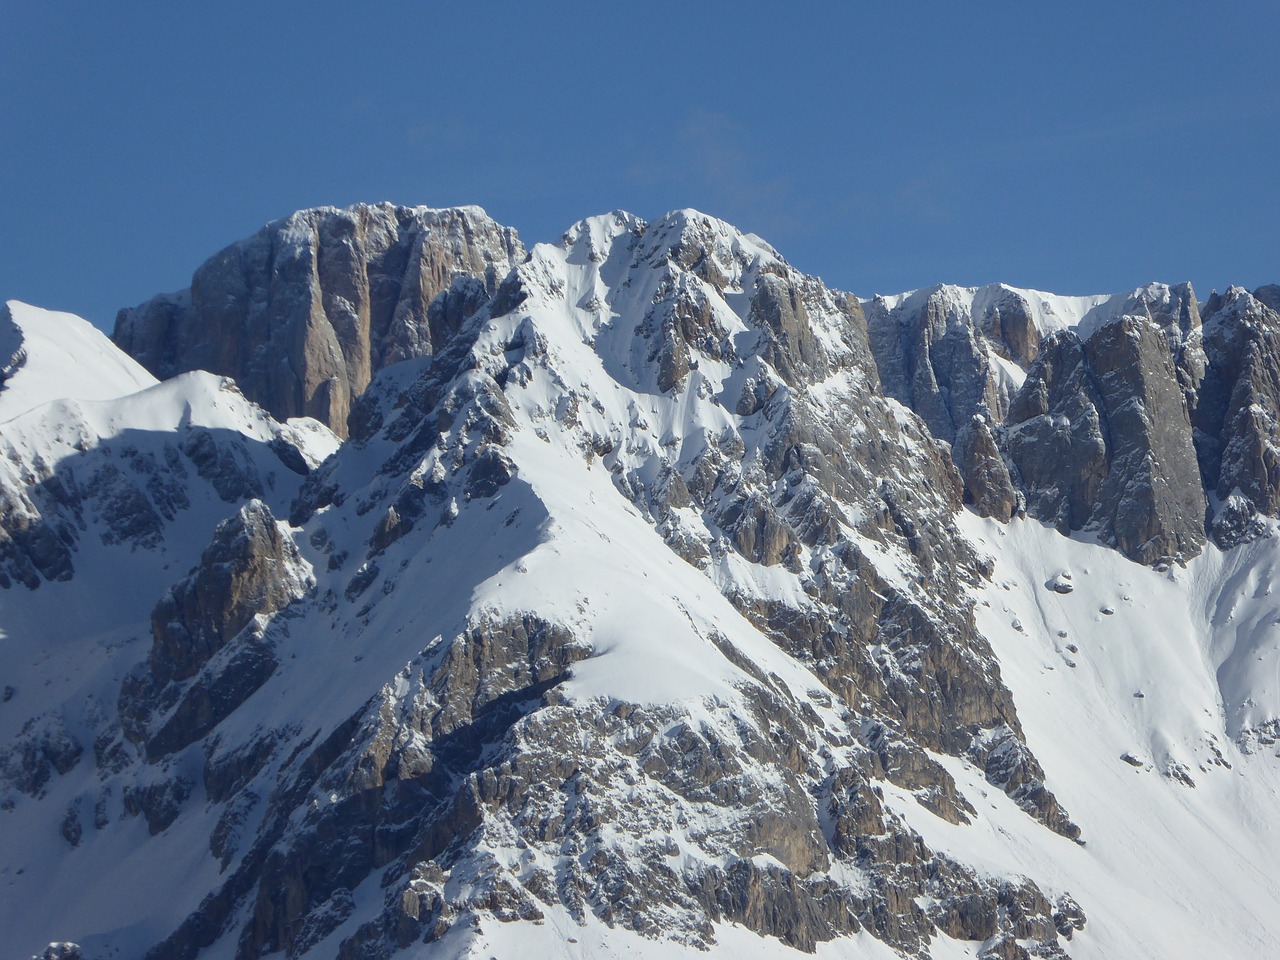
[(47, 355), (657, 598)]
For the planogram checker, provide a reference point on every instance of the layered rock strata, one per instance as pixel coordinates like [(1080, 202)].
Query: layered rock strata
[(1118, 416), (303, 313)]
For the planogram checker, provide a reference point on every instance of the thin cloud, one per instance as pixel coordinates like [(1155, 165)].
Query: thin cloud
[(710, 158)]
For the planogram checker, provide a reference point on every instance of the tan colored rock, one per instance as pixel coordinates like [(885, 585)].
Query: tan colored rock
[(304, 312)]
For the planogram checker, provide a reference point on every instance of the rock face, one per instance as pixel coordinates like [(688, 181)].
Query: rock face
[(932, 358), (1101, 436), (250, 569), (1097, 433), (208, 653), (987, 484), (1055, 435), (1236, 419), (1151, 503), (1008, 324), (303, 313)]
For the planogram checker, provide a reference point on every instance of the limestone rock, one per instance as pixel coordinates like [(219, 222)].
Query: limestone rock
[(208, 654), (303, 313), (249, 569), (1238, 418), (1151, 503), (1173, 309), (472, 774), (1101, 437), (987, 485), (931, 358), (1007, 324), (1055, 435)]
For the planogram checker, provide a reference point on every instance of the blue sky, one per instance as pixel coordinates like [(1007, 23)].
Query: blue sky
[(1078, 147)]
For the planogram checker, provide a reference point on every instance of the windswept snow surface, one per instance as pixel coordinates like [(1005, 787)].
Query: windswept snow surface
[(1169, 669), (47, 356)]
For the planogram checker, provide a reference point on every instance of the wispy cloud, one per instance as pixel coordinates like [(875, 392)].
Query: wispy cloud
[(711, 158)]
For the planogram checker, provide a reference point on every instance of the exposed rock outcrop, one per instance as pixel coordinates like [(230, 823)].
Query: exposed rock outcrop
[(932, 358), (1151, 504), (987, 484), (249, 569), (1101, 437), (303, 313), (1007, 323), (208, 653), (1055, 435), (481, 734), (1085, 359), (1238, 416)]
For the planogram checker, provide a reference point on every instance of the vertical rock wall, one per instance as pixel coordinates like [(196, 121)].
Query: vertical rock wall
[(304, 312)]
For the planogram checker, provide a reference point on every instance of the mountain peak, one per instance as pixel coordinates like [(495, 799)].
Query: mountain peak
[(46, 355), (338, 292)]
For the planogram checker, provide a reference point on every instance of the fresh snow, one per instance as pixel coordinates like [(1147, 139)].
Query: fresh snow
[(1168, 869), (45, 355)]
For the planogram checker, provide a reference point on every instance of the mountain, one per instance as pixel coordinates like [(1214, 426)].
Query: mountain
[(303, 313), (637, 594)]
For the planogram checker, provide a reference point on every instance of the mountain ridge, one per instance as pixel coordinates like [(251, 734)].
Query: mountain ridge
[(660, 620)]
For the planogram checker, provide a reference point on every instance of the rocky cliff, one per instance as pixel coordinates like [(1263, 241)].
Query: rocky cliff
[(303, 313), (1112, 415)]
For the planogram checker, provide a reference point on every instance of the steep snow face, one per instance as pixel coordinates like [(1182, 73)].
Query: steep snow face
[(132, 472), (48, 356), (642, 347), (1151, 697)]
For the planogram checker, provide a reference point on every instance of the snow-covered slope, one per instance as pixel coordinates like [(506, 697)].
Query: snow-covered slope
[(1150, 696), (105, 502), (50, 356), (636, 619)]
